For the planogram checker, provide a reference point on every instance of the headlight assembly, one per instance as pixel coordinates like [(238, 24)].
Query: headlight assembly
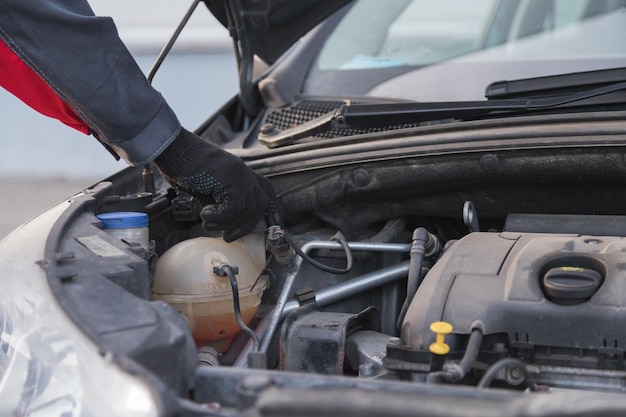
[(47, 366)]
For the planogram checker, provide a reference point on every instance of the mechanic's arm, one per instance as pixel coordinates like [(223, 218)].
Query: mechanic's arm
[(71, 65)]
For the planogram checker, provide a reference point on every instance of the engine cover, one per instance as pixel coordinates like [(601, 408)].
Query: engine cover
[(557, 300)]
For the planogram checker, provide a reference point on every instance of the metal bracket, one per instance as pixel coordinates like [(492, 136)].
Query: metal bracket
[(315, 341)]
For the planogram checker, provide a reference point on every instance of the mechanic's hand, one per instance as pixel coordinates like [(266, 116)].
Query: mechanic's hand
[(234, 196)]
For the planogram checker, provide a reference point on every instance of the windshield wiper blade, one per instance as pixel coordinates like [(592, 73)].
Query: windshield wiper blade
[(363, 116), (553, 85), (369, 115)]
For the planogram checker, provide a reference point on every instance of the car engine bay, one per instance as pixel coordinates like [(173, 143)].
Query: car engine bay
[(473, 270)]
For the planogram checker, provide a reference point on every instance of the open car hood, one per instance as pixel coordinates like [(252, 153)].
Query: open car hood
[(270, 27)]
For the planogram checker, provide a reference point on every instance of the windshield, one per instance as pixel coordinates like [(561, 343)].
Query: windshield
[(436, 50)]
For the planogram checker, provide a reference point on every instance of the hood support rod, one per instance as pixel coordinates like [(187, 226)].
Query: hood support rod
[(168, 46)]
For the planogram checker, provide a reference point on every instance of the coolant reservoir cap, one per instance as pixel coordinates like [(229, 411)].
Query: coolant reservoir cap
[(569, 285), (123, 219)]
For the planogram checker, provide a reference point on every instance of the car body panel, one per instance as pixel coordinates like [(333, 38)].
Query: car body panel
[(389, 228)]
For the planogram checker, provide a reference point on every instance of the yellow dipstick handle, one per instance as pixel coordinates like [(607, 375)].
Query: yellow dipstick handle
[(441, 328)]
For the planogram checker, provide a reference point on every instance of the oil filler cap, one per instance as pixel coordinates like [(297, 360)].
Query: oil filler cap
[(569, 285)]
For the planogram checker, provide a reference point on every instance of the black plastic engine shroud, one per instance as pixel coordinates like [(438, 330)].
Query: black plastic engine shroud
[(495, 281)]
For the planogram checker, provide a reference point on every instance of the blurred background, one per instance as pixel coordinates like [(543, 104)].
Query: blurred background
[(42, 161)]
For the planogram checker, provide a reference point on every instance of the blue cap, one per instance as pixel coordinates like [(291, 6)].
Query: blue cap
[(123, 219)]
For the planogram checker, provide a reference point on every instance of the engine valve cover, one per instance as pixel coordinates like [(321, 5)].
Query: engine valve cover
[(556, 299)]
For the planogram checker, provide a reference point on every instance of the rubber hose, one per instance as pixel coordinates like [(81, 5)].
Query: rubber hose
[(491, 373), (420, 236), (457, 372)]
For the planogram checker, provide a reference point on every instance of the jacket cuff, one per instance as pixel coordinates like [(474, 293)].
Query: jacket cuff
[(153, 139)]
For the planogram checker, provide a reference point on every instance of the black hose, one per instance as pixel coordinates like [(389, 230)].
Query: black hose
[(422, 241), (457, 372), (387, 234), (338, 237), (247, 92), (471, 353), (242, 324), (492, 372)]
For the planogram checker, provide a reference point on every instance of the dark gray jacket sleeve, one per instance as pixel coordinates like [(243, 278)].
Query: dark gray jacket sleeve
[(81, 57)]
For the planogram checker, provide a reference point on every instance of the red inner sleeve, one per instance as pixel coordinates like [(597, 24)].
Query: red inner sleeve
[(24, 83)]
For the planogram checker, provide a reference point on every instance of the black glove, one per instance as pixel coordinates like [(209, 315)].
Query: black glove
[(234, 196)]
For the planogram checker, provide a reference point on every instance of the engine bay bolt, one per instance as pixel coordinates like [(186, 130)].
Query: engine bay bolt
[(361, 177), (514, 376), (394, 341), (441, 329), (489, 162), (267, 129)]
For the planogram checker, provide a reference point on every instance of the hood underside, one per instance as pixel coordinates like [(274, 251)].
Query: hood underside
[(270, 27)]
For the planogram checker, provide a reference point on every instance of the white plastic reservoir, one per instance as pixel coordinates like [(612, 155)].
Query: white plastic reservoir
[(185, 279)]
